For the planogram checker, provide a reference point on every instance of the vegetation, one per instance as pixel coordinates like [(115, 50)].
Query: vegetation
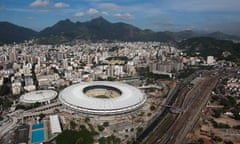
[(216, 139), (75, 137), (217, 113), (41, 116), (72, 124), (4, 90), (229, 102), (209, 46), (219, 125), (87, 119), (199, 141), (106, 124), (186, 73), (6, 103), (98, 29), (12, 33), (236, 127), (109, 140), (121, 58), (100, 128), (35, 81), (228, 142), (28, 107), (150, 77), (139, 131), (152, 108)]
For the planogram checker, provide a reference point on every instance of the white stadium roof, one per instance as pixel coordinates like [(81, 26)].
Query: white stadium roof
[(130, 99), (38, 96)]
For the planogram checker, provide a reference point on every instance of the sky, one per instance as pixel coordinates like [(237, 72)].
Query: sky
[(157, 15)]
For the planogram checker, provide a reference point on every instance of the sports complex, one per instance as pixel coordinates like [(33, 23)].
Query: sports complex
[(102, 98), (40, 96)]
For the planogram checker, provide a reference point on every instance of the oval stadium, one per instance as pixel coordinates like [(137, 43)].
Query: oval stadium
[(102, 98), (38, 96)]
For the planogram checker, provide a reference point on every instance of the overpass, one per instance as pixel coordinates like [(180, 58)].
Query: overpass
[(151, 86), (163, 73)]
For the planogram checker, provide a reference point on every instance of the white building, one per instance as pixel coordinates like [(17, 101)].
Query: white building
[(16, 88), (210, 60), (55, 124)]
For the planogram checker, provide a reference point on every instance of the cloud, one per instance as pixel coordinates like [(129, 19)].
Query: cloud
[(79, 14), (165, 23), (61, 5), (39, 3), (92, 12), (125, 16), (108, 6), (206, 5), (30, 18), (28, 10), (2, 8), (104, 13)]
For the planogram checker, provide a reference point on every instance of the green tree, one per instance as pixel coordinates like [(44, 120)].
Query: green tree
[(72, 124), (100, 128), (41, 116), (106, 124), (4, 90)]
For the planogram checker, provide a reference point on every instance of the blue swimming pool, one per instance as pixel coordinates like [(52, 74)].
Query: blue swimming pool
[(37, 136), (37, 126)]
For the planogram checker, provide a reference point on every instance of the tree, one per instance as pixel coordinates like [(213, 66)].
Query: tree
[(41, 116), (4, 90), (228, 142), (35, 81), (200, 141), (87, 119), (106, 124), (217, 139), (75, 137), (6, 103), (152, 108), (72, 124), (139, 131), (100, 128)]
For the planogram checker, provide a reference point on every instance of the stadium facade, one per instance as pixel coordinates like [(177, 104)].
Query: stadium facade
[(102, 98)]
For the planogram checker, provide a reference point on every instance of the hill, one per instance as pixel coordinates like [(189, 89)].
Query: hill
[(12, 33), (209, 46), (101, 29), (96, 29)]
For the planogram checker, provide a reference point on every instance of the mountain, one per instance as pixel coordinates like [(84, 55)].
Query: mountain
[(96, 29), (100, 29), (12, 33), (209, 46), (221, 36)]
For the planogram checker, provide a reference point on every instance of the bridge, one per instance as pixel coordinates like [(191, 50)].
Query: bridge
[(151, 86), (215, 106), (163, 73)]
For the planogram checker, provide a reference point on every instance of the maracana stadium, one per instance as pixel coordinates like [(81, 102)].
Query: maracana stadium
[(102, 98)]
